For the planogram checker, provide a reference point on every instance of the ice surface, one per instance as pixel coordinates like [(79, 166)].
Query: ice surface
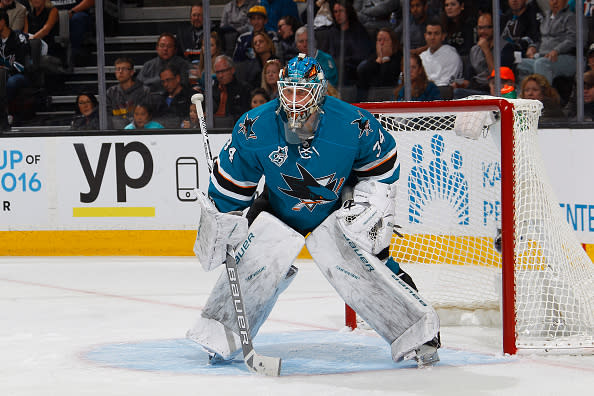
[(58, 314)]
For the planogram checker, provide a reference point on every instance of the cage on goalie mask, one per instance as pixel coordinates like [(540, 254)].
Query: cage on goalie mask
[(302, 89)]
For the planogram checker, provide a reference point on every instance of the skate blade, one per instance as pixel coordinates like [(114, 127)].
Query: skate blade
[(426, 356), (215, 358)]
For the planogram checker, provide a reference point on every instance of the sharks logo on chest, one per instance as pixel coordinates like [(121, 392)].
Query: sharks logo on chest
[(311, 191), (247, 127)]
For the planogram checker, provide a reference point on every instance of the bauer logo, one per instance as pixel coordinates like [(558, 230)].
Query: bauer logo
[(437, 186)]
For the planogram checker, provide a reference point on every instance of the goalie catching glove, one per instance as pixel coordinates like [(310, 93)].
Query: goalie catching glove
[(368, 218), (216, 230)]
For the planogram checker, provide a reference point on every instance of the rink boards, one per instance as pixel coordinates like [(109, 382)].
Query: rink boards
[(132, 194)]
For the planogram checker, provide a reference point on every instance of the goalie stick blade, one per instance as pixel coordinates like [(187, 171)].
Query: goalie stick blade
[(264, 365)]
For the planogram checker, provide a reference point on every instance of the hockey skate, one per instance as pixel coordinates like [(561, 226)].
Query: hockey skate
[(215, 358), (426, 355)]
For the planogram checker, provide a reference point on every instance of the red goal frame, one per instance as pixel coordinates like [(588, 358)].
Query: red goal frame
[(506, 110)]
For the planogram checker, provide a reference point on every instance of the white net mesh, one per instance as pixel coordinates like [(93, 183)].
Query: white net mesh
[(449, 208)]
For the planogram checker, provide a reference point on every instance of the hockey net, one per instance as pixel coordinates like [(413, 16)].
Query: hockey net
[(461, 180)]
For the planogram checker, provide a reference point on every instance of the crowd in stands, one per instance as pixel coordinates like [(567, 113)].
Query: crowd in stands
[(358, 45)]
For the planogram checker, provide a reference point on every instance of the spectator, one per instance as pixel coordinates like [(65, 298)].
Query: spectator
[(80, 23), (570, 109), (537, 87), (258, 97), (196, 75), (25, 3), (378, 14), (86, 117), (323, 22), (287, 26), (459, 26), (590, 58), (442, 62), (250, 70), (381, 69), (324, 59), (14, 48), (121, 99), (234, 22), (422, 89), (172, 105), (192, 121), (143, 118), (519, 29), (231, 96), (166, 49), (481, 61), (270, 75), (276, 9), (17, 14), (243, 48), (189, 36), (418, 22), (349, 43), (508, 83), (43, 24), (554, 54)]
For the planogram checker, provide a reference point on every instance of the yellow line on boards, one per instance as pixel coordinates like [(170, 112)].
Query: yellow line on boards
[(113, 212), (97, 243), (114, 243)]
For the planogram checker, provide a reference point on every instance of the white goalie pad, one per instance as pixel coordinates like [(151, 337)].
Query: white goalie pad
[(472, 124), (391, 307), (264, 271), (368, 218), (216, 230)]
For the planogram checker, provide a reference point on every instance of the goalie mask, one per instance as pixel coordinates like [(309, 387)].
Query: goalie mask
[(302, 89)]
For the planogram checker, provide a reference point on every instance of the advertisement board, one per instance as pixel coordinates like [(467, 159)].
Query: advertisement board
[(126, 182), (567, 158)]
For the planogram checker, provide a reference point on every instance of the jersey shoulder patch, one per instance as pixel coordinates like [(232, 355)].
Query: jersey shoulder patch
[(257, 127)]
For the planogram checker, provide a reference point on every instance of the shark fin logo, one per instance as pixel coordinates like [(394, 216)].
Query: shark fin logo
[(363, 124), (437, 187), (311, 191), (247, 127)]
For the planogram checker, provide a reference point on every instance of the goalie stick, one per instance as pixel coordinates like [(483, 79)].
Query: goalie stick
[(256, 363)]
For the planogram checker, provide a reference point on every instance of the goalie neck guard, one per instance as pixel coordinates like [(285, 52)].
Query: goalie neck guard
[(302, 89)]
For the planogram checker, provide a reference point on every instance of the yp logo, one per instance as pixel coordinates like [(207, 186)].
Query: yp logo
[(436, 187), (94, 174)]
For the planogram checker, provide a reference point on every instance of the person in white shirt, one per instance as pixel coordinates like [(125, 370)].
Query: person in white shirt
[(441, 61)]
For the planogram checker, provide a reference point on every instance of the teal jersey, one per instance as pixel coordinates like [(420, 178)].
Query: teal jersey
[(304, 180)]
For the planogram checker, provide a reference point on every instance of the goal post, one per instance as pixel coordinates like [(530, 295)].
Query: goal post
[(469, 168)]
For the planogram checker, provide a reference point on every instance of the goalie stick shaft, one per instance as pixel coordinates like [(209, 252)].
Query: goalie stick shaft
[(197, 100), (256, 363)]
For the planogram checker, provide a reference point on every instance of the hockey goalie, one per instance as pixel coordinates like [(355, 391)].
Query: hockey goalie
[(330, 171)]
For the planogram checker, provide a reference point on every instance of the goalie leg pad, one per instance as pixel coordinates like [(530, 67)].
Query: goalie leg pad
[(264, 267), (390, 306)]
